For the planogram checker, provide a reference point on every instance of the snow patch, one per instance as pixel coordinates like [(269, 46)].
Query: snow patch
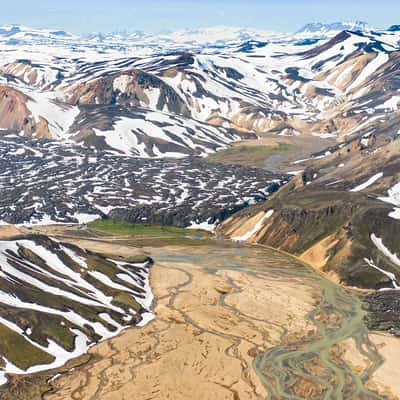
[(393, 198), (203, 226), (378, 242), (368, 183), (257, 227)]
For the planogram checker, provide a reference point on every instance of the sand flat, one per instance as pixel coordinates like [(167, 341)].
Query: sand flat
[(201, 344)]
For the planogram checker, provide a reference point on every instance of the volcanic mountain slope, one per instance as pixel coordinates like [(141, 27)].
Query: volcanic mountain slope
[(45, 182), (132, 131), (57, 299), (342, 86), (33, 74), (340, 213), (147, 134)]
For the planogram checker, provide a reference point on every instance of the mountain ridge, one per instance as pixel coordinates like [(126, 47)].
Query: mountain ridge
[(320, 27)]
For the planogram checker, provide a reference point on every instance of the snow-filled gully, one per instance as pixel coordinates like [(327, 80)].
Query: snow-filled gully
[(378, 242)]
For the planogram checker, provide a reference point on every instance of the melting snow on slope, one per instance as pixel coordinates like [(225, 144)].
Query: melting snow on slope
[(369, 69), (121, 137), (378, 242), (368, 183), (329, 58), (125, 135), (395, 214), (294, 173), (83, 218), (59, 117), (257, 227), (391, 105), (393, 198), (203, 226), (390, 275), (83, 292), (61, 356)]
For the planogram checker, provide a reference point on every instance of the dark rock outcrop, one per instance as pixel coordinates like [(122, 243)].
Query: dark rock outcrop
[(383, 311)]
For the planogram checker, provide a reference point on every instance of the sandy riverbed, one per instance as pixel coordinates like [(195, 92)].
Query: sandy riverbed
[(198, 347)]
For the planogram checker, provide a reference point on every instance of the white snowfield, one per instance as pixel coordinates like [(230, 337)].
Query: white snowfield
[(59, 117), (390, 275), (203, 226), (372, 66), (379, 244), (395, 214), (183, 134), (62, 274)]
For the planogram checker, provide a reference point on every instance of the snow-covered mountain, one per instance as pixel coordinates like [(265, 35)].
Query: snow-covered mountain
[(334, 27), (194, 92), (110, 42), (23, 32), (148, 99), (151, 98), (142, 42), (394, 28)]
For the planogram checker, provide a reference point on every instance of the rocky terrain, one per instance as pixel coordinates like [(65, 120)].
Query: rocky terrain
[(181, 96), (44, 182), (383, 311)]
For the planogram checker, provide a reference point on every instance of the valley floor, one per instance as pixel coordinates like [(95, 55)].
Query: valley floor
[(232, 322)]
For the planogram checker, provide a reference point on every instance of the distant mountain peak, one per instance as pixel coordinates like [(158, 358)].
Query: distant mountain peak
[(394, 28), (319, 27), (21, 31)]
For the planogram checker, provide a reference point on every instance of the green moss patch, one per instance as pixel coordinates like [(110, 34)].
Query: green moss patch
[(246, 154), (143, 230), (20, 351)]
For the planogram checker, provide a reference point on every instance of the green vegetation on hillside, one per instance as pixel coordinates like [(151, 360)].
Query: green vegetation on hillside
[(250, 155), (144, 230), (24, 354)]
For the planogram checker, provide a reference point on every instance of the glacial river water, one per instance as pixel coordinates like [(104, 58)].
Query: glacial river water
[(313, 360)]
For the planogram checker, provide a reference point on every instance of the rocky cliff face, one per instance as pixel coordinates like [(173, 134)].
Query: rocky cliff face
[(181, 216)]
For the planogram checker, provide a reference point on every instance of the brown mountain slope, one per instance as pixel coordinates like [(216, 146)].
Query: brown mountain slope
[(320, 217)]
